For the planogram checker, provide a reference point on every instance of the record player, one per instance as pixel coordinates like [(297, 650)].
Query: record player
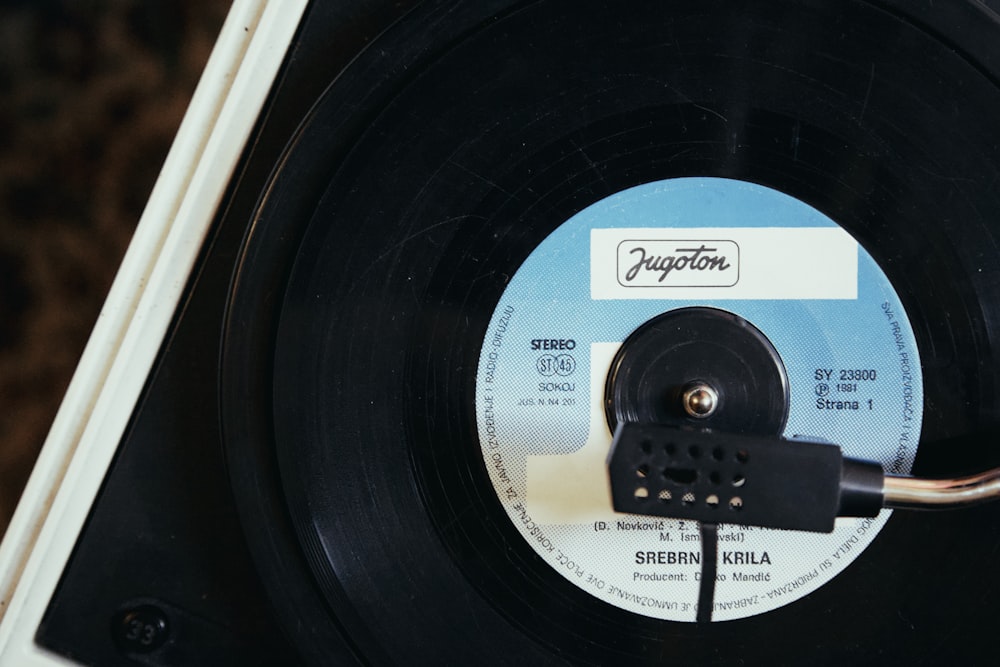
[(544, 332)]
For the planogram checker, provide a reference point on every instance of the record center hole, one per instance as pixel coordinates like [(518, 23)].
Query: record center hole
[(681, 475), (688, 498), (641, 493), (736, 503)]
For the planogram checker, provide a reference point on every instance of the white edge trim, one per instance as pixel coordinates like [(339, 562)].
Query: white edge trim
[(135, 318)]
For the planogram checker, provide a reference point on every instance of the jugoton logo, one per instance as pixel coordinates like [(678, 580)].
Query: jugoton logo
[(669, 263)]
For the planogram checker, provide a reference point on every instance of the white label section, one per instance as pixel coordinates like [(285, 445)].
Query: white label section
[(652, 566), (723, 263), (575, 488)]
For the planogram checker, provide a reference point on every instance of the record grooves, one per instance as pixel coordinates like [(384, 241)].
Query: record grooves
[(400, 215)]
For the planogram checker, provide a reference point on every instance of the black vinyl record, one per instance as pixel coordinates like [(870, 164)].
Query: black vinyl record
[(431, 169)]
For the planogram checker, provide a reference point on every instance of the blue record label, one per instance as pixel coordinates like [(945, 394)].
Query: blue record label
[(804, 282)]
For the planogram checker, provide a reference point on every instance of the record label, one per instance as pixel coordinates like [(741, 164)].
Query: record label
[(845, 345)]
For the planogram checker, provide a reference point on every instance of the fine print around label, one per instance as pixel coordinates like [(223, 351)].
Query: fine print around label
[(818, 297)]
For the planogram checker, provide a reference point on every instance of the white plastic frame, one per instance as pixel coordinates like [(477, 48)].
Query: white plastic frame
[(135, 318)]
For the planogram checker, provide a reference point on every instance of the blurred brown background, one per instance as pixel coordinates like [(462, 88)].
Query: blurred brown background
[(91, 94)]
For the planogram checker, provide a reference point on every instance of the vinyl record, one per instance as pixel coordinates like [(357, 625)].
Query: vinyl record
[(469, 175)]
